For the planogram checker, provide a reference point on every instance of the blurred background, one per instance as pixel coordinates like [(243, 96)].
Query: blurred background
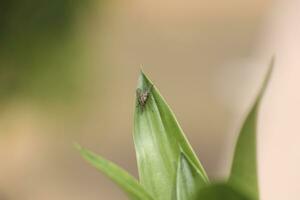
[(68, 71)]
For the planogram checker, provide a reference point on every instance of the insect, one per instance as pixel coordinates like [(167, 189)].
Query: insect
[(142, 96)]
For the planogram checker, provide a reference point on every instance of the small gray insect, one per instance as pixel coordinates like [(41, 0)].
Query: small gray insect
[(142, 96)]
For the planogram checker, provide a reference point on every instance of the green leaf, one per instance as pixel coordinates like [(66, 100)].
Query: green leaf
[(220, 192), (189, 180), (128, 183), (158, 141), (244, 167)]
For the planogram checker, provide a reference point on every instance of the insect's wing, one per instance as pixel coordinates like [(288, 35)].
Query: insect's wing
[(139, 93)]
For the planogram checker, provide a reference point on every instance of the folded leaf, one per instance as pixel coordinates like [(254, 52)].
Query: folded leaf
[(127, 182), (244, 167), (189, 180), (158, 141), (220, 192)]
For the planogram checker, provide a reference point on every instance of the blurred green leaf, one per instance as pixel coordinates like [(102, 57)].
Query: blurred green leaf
[(189, 180), (158, 141), (127, 182), (244, 167), (220, 192), (41, 49)]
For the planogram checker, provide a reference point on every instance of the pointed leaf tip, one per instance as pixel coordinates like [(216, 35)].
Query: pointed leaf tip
[(141, 68), (158, 140), (244, 166), (266, 79), (77, 146), (143, 81)]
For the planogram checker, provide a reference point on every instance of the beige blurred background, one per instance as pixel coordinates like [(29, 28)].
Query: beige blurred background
[(207, 58)]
